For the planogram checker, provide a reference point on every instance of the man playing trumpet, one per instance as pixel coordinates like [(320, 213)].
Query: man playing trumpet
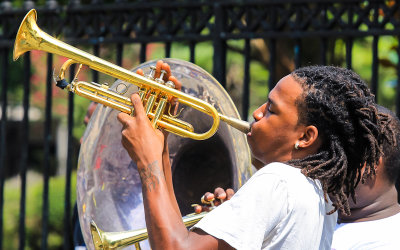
[(376, 213), (313, 135)]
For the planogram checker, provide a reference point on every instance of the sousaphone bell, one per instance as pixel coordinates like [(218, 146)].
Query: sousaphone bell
[(108, 184)]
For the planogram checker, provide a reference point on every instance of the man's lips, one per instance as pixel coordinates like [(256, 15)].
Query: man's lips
[(251, 128)]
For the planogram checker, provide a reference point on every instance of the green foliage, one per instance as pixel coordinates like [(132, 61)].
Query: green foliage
[(80, 108), (388, 59), (15, 81), (235, 78), (19, 3), (34, 204), (11, 212)]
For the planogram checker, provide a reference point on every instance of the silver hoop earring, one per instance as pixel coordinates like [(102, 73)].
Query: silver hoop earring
[(296, 145)]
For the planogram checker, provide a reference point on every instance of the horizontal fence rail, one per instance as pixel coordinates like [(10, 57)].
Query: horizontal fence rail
[(116, 24)]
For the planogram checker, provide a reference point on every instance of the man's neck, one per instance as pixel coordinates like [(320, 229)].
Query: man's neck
[(384, 206)]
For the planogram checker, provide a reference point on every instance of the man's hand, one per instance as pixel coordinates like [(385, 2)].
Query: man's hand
[(160, 65), (220, 195), (143, 143)]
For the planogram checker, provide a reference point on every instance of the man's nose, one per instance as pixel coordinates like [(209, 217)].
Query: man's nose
[(257, 114)]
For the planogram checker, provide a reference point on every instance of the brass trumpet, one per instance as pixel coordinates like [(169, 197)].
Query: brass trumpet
[(114, 240), (153, 92)]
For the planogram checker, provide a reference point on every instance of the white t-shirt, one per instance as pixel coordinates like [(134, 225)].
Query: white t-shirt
[(377, 234), (278, 208)]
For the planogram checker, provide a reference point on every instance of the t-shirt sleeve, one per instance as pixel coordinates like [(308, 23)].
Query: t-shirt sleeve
[(253, 212)]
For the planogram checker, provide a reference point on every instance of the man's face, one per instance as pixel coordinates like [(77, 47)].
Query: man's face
[(370, 195), (372, 188), (275, 129)]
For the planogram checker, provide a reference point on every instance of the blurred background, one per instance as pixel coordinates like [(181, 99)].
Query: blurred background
[(246, 45)]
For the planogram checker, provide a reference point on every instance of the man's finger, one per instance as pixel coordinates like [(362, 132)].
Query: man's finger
[(220, 193), (167, 68), (122, 118), (229, 193), (137, 105), (198, 209), (140, 72), (208, 196), (158, 68), (178, 84)]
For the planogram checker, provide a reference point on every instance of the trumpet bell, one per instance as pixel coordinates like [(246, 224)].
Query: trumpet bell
[(108, 184), (21, 44)]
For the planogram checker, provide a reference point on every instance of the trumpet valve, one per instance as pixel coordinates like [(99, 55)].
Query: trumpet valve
[(150, 102), (152, 72), (142, 93), (170, 84), (105, 86), (159, 111), (160, 79)]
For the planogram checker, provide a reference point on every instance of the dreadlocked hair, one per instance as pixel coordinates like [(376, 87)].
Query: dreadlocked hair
[(341, 106), (391, 146)]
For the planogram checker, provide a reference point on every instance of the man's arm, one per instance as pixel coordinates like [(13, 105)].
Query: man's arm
[(160, 65), (145, 146), (168, 176)]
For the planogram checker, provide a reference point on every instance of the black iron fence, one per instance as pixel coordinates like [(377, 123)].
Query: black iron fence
[(279, 35)]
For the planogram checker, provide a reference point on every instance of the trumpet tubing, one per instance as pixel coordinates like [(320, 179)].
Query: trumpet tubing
[(114, 240), (124, 104), (31, 37)]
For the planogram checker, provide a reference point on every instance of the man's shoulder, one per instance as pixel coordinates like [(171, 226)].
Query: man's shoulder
[(375, 234), (371, 224), (298, 185), (281, 170)]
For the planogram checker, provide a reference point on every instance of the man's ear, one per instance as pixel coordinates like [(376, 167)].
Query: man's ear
[(309, 138), (380, 165)]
